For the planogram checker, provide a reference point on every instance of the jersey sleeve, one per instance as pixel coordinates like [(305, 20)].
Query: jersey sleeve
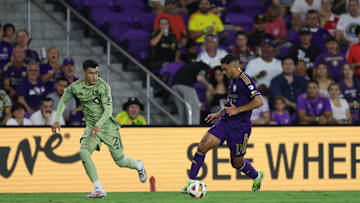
[(106, 102), (250, 87), (327, 106), (300, 104), (68, 94)]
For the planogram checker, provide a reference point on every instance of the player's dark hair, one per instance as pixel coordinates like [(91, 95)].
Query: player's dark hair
[(312, 11), (89, 64), (313, 81), (229, 58), (46, 99), (62, 79), (287, 58)]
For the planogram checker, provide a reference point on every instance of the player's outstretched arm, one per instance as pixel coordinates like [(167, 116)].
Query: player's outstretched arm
[(214, 116)]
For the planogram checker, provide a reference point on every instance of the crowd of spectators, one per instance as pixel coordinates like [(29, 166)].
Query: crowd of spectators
[(304, 56)]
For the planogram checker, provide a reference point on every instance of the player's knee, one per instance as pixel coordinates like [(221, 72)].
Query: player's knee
[(84, 153), (237, 163), (203, 148), (121, 161)]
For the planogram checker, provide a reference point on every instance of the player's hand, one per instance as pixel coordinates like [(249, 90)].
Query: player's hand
[(232, 110), (211, 118), (94, 131), (322, 120), (55, 126)]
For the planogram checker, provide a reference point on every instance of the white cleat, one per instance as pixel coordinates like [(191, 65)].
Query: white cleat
[(142, 172), (97, 193)]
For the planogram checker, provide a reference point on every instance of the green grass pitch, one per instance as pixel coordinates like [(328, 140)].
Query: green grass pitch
[(174, 197)]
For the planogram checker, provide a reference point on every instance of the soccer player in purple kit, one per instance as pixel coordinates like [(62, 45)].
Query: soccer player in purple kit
[(234, 124)]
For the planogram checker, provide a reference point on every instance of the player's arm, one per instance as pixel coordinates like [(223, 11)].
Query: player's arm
[(68, 94), (304, 119), (214, 116), (256, 102), (106, 102)]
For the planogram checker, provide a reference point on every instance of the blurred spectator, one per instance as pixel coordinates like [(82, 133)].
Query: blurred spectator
[(319, 34), (45, 115), (258, 34), (284, 6), (8, 33), (204, 22), (242, 50), (51, 70), (339, 106), (339, 6), (328, 20), (23, 39), (131, 113), (280, 116), (305, 50), (264, 68), (60, 85), (76, 117), (345, 29), (190, 54), (353, 55), (216, 98), (333, 58), (18, 116), (176, 21), (261, 115), (183, 83), (312, 108), (212, 52), (350, 89), (164, 46), (287, 84), (322, 76), (299, 10), (275, 24), (301, 69), (5, 107), (68, 70), (31, 89), (5, 52), (14, 71)]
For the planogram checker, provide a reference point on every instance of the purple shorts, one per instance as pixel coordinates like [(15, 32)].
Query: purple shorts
[(236, 137)]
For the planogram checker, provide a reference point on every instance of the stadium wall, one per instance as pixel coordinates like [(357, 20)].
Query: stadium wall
[(293, 158)]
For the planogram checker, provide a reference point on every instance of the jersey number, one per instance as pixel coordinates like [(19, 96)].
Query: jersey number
[(240, 148), (117, 142)]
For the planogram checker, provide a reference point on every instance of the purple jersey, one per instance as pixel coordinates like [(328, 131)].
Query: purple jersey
[(350, 93), (334, 62), (240, 92), (235, 130), (281, 119), (45, 69), (313, 108), (32, 93), (5, 53), (14, 74)]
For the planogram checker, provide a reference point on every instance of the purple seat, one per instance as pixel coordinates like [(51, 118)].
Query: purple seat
[(291, 36), (136, 40), (231, 37), (124, 5), (97, 14), (139, 50), (250, 4), (118, 30), (132, 12), (77, 4), (283, 52), (114, 19), (171, 68), (146, 21), (98, 3), (253, 12), (239, 19)]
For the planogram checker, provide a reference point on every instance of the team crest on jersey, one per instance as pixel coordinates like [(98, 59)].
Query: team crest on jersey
[(234, 88), (251, 87), (96, 92), (96, 100), (320, 105)]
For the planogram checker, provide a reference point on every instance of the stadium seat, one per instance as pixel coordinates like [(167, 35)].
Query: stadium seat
[(283, 52), (97, 14), (249, 5), (239, 19), (291, 36), (171, 68), (114, 19), (146, 21), (124, 5), (136, 42), (98, 3), (118, 30)]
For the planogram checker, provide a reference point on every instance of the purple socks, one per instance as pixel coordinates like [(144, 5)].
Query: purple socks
[(197, 161), (248, 169)]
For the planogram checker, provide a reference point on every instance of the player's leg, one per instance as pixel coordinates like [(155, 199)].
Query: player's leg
[(208, 142), (238, 145), (88, 145), (114, 144)]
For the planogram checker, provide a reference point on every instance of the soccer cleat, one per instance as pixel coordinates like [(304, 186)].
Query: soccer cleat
[(142, 172), (183, 191), (97, 193), (257, 182)]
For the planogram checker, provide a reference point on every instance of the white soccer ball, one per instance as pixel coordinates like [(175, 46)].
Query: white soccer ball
[(196, 189)]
